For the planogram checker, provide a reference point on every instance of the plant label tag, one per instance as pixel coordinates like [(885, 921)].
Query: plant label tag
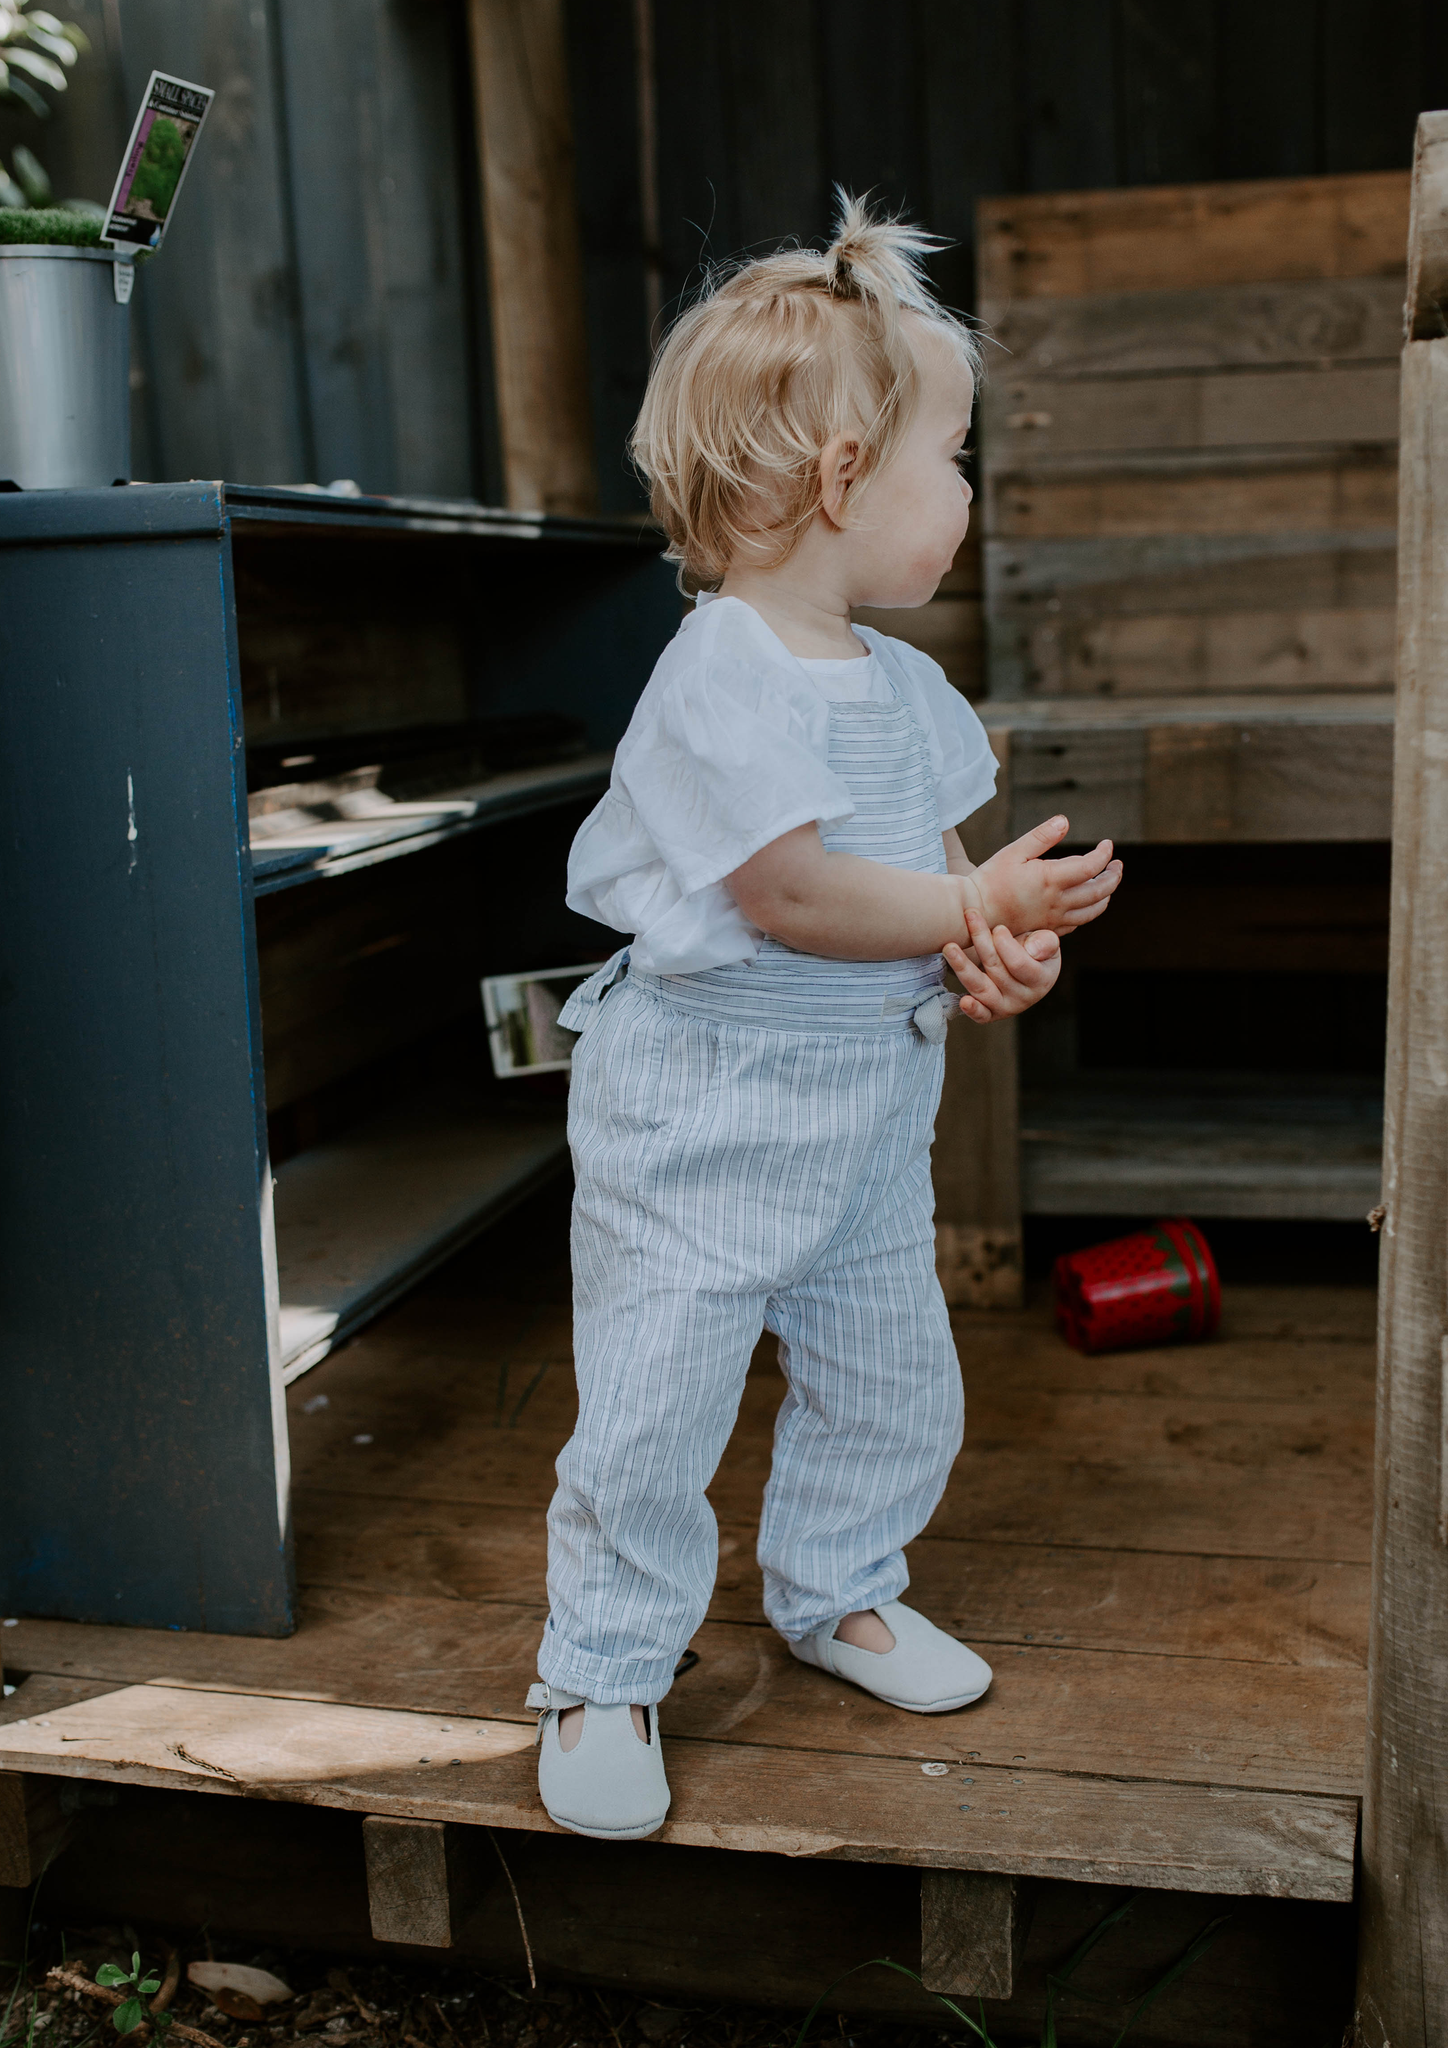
[(155, 162), (123, 275)]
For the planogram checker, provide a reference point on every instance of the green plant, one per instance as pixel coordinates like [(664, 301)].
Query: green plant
[(50, 224), (134, 2011), (1056, 1980), (40, 48), (159, 171)]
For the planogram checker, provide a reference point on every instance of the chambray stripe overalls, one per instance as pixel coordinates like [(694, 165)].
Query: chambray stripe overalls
[(752, 1149)]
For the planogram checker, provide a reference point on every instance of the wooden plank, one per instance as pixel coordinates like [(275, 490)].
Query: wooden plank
[(221, 330), (1354, 492), (1427, 293), (407, 1880), (1208, 654), (1089, 1162), (1403, 1959), (975, 1163), (1209, 614), (15, 1867), (1238, 327), (1167, 91), (375, 163), (360, 1219), (973, 1928), (1256, 780), (1029, 422), (1192, 573), (1135, 1715), (733, 1795), (1175, 237), (1252, 1610), (1220, 1478), (35, 1825), (540, 350)]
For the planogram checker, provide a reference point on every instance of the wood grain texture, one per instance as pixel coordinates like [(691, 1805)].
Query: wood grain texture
[(1354, 491), (731, 1794), (1064, 244), (972, 1930), (1253, 780), (407, 1880), (15, 1867), (1426, 314), (540, 351), (1178, 1689), (1117, 334), (1033, 422), (990, 1592), (976, 1159), (1403, 1967)]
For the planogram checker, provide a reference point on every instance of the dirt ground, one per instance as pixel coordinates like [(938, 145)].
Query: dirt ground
[(388, 2006)]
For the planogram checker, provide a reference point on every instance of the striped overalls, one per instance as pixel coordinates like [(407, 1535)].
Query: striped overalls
[(752, 1150)]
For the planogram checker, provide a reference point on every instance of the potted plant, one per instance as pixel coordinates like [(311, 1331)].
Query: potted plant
[(64, 318)]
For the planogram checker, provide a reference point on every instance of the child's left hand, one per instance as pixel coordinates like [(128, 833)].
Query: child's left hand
[(1020, 888), (1002, 975)]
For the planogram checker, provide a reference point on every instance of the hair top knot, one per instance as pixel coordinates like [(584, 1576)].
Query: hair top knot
[(775, 357)]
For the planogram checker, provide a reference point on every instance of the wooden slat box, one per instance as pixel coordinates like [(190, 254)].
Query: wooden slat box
[(1188, 518)]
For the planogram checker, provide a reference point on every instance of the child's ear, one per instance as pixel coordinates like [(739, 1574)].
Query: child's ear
[(839, 462)]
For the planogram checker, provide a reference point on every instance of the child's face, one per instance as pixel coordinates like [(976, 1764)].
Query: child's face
[(913, 518)]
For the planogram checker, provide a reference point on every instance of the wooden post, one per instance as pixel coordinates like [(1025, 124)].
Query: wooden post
[(1403, 1959), (973, 1928), (409, 1897), (535, 268), (976, 1161)]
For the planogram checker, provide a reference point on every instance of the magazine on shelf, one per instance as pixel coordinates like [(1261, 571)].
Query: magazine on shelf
[(524, 1035)]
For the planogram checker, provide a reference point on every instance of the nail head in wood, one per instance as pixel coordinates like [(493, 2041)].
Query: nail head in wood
[(973, 1926), (408, 1895)]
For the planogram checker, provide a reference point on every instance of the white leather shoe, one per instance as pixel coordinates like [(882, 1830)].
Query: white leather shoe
[(927, 1672), (611, 1783)]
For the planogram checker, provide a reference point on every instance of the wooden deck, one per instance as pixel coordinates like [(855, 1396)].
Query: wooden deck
[(1164, 1555)]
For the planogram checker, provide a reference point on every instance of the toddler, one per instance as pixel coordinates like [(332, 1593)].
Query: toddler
[(755, 1087)]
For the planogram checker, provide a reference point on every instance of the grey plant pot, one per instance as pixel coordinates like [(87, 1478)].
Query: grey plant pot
[(65, 368)]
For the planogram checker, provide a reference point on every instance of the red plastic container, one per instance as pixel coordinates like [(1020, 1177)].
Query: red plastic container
[(1158, 1286)]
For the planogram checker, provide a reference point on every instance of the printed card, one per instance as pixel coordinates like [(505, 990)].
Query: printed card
[(155, 161), (524, 1035)]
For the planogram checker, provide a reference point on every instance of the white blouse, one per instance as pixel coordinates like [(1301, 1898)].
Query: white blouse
[(727, 750)]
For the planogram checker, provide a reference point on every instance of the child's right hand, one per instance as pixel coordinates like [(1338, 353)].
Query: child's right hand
[(1021, 889)]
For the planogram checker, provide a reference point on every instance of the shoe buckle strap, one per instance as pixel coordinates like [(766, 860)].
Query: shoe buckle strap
[(544, 1699)]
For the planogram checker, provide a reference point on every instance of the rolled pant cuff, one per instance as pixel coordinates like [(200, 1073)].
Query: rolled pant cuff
[(889, 1585), (608, 1681)]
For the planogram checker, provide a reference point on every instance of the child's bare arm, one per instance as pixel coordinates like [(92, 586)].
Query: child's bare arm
[(845, 908)]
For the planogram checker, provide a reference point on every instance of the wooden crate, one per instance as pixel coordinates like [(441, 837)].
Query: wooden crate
[(1188, 532)]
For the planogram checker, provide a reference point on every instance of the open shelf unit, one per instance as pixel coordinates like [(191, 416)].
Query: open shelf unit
[(247, 1110)]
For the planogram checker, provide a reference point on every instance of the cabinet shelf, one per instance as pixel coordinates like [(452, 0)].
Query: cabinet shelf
[(361, 1218), (341, 848)]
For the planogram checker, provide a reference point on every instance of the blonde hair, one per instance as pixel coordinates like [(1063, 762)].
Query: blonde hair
[(775, 358)]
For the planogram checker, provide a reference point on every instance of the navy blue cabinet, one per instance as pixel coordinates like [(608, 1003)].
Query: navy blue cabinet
[(163, 1269)]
